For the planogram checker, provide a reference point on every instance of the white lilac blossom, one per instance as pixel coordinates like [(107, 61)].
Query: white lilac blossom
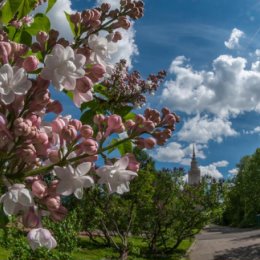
[(102, 49), (40, 237), (116, 177), (17, 199), (13, 81), (63, 67), (73, 180)]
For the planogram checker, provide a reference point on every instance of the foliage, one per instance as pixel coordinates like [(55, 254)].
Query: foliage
[(242, 199), (66, 232)]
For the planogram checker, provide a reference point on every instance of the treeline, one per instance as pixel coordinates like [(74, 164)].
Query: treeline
[(242, 202)]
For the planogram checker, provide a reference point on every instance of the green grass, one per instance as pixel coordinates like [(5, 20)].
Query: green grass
[(90, 251)]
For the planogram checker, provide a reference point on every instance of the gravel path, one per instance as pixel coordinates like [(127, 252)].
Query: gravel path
[(225, 243)]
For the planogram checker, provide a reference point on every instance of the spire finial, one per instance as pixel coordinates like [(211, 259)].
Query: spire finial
[(193, 154)]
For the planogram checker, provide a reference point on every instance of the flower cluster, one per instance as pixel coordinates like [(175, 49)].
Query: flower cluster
[(130, 88), (45, 155)]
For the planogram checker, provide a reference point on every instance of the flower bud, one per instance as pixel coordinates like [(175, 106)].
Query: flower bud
[(84, 84), (76, 123), (99, 119), (30, 63), (54, 156), (86, 131), (69, 133), (42, 37), (89, 146), (53, 203), (133, 164), (75, 18), (31, 219), (39, 189), (59, 214), (96, 72), (54, 107), (149, 143)]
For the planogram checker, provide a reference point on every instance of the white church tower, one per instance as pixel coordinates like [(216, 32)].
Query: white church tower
[(194, 172)]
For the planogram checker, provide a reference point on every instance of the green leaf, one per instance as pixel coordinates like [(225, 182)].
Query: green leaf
[(87, 117), (9, 10), (125, 147), (100, 89), (19, 7), (25, 38), (129, 116), (72, 26), (41, 23), (122, 111), (51, 3), (25, 7), (93, 104)]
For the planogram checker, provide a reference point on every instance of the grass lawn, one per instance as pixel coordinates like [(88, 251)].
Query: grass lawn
[(90, 251)]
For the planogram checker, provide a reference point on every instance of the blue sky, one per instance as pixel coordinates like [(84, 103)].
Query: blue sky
[(214, 87)]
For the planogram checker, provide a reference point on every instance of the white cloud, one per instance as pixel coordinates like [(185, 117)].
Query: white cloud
[(58, 18), (229, 89), (256, 130), (211, 170), (176, 153), (113, 3), (203, 129), (233, 41), (257, 52), (233, 171), (221, 163)]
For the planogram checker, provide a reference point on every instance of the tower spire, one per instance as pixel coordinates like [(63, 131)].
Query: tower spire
[(193, 154), (194, 173)]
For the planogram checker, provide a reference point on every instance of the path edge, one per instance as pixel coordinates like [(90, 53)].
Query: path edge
[(187, 254)]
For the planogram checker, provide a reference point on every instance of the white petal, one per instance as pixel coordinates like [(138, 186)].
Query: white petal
[(65, 187), (83, 168), (52, 62), (78, 193), (87, 181), (9, 207), (58, 51), (80, 60), (69, 83), (8, 99), (25, 198), (122, 163), (18, 76), (8, 70), (22, 89), (69, 53)]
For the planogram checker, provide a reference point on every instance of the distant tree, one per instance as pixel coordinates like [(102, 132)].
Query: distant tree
[(243, 201)]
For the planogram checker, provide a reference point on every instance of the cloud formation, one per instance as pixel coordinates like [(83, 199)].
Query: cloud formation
[(233, 171), (256, 130), (233, 41), (211, 170), (176, 153), (229, 89), (204, 129)]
